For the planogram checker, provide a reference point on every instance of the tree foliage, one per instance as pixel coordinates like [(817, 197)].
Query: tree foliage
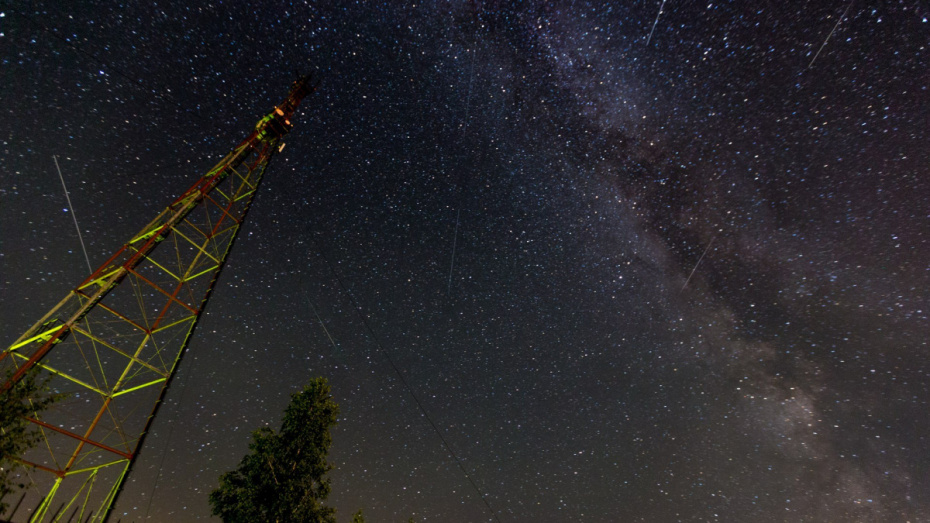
[(27, 397), (282, 478)]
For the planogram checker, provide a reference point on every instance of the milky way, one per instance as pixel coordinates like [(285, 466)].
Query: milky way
[(631, 275)]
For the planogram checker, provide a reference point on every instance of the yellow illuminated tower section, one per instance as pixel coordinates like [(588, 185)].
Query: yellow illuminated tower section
[(112, 345)]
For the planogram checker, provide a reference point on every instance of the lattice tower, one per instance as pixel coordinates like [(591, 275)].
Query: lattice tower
[(112, 345)]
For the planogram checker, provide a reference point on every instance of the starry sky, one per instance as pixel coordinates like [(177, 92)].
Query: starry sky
[(640, 261)]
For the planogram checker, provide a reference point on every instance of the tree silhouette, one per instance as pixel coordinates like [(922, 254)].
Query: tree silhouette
[(23, 399), (283, 477)]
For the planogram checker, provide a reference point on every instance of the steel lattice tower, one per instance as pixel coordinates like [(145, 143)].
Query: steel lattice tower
[(113, 344)]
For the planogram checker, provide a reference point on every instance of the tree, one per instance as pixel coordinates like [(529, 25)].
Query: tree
[(25, 398), (282, 478)]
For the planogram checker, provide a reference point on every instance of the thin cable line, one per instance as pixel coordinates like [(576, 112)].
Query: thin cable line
[(699, 262), (73, 215), (455, 239), (164, 454), (827, 39), (465, 120), (649, 39), (323, 325), (304, 291), (471, 80), (403, 381)]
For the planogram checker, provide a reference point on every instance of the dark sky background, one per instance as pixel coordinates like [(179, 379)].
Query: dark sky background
[(516, 195)]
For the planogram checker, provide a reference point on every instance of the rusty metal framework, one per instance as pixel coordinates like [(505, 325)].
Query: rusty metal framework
[(112, 345)]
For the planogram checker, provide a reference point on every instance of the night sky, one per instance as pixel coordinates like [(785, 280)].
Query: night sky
[(634, 267)]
